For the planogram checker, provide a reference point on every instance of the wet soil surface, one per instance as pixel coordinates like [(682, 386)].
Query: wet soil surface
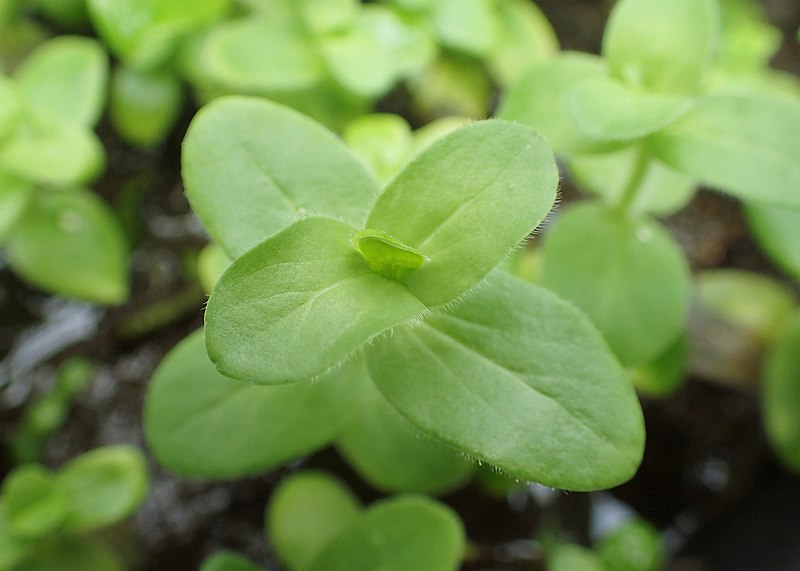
[(708, 479)]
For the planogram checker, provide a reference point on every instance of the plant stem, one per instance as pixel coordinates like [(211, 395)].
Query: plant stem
[(634, 182)]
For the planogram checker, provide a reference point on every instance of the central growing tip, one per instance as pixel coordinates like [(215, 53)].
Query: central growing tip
[(386, 255)]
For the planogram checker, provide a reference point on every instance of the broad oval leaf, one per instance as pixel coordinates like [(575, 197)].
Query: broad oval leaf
[(521, 379), (34, 505), (70, 243), (398, 534), (306, 512), (539, 99), (465, 202), (103, 486), (200, 423), (66, 78), (663, 45), (252, 167), (607, 110), (744, 144), (626, 273), (661, 190), (393, 456), (300, 303), (781, 394), (777, 230)]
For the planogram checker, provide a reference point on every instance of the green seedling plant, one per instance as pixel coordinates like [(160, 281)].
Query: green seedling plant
[(640, 127), (376, 297), (46, 517), (56, 233)]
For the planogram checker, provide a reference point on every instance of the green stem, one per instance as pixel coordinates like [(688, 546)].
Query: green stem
[(634, 182)]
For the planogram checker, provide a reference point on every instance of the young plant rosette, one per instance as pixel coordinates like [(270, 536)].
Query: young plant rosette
[(398, 286)]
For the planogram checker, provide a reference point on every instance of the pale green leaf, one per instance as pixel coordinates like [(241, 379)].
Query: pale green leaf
[(452, 84), (228, 561), (408, 47), (465, 202), (329, 16), (518, 378), (382, 140), (211, 264), (262, 55), (15, 195), (199, 423), (661, 191), (666, 373), (663, 45), (747, 145), (626, 273), (468, 26), (568, 557), (634, 546), (777, 229), (427, 134), (306, 512), (393, 456), (780, 397), (71, 243), (103, 486), (66, 78), (144, 105), (607, 110), (540, 100), (300, 303), (396, 535), (252, 167), (32, 502), (9, 106)]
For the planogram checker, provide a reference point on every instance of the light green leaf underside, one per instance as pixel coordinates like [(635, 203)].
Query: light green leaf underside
[(781, 394), (103, 486), (607, 110), (663, 45), (540, 99), (519, 378), (306, 512), (662, 190), (627, 274), (396, 535), (393, 456), (300, 303), (199, 423), (70, 243), (251, 167), (777, 230), (65, 78), (747, 145), (465, 202)]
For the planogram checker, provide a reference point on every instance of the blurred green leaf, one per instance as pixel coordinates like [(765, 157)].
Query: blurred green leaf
[(568, 557), (70, 554), (634, 546), (228, 561), (777, 229), (15, 195), (33, 503), (383, 141), (468, 26), (666, 373)]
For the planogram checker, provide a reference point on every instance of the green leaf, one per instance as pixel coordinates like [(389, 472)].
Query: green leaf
[(393, 456), (382, 140), (666, 373), (527, 39), (252, 167), (396, 535), (540, 100), (228, 561), (468, 26), (70, 553), (329, 16), (661, 191), (777, 230), (634, 546), (9, 105), (233, 55), (144, 33), (607, 110), (199, 423), (518, 378), (15, 195), (103, 486), (144, 106), (662, 45), (626, 273), (65, 78), (568, 557), (465, 202), (452, 84), (409, 49), (305, 513), (300, 303), (211, 264), (33, 504), (70, 243), (780, 399), (53, 152), (386, 255), (743, 144)]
